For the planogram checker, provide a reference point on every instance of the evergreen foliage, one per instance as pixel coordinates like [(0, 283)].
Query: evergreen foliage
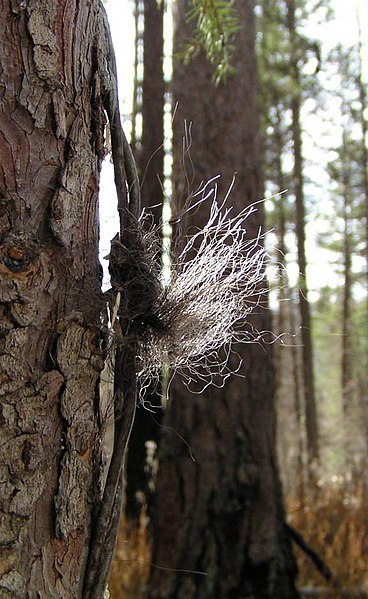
[(216, 23)]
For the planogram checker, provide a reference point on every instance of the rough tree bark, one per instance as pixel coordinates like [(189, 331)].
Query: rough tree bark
[(220, 522), (53, 65)]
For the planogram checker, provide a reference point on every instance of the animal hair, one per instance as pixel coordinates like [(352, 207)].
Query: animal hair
[(217, 278)]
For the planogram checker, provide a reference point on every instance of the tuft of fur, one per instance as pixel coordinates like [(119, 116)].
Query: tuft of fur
[(215, 281)]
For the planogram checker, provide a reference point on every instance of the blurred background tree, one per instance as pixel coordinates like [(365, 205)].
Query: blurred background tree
[(148, 148), (222, 499)]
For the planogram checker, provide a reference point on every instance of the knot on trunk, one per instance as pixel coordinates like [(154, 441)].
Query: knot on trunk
[(18, 255)]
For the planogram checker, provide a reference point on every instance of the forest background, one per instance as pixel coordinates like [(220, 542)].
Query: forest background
[(313, 75)]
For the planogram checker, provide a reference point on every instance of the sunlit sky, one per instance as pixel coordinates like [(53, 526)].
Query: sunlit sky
[(342, 29)]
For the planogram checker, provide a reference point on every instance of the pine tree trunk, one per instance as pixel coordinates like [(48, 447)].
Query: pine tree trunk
[(151, 166), (298, 398), (305, 318), (151, 156), (364, 133), (347, 377), (346, 362), (311, 417), (52, 56), (284, 387), (364, 158), (137, 83), (220, 523)]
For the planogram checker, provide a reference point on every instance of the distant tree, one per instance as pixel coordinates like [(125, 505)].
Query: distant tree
[(283, 52), (137, 83), (363, 121), (219, 528), (363, 107), (311, 418), (151, 155), (347, 333), (341, 170), (150, 160), (345, 173), (348, 176), (275, 90)]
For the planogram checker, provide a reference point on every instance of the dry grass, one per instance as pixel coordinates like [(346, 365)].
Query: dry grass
[(336, 526), (131, 564)]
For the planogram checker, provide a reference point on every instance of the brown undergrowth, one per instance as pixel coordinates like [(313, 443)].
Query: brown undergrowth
[(131, 565), (335, 525)]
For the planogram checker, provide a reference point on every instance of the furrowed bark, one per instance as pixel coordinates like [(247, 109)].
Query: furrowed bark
[(53, 72)]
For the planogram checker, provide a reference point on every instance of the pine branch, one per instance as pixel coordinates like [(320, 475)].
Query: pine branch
[(216, 22)]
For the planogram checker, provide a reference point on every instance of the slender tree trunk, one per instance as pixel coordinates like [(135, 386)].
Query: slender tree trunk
[(151, 157), (352, 425), (137, 84), (364, 150), (53, 66), (280, 145), (305, 317), (288, 363), (275, 101), (282, 353), (281, 234), (296, 366), (151, 165), (346, 362), (364, 156), (220, 523)]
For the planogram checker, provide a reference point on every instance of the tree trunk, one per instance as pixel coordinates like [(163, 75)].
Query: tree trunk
[(294, 313), (151, 156), (362, 89), (53, 57), (364, 159), (151, 166), (311, 418), (287, 396), (276, 136), (137, 83), (220, 522), (347, 383)]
